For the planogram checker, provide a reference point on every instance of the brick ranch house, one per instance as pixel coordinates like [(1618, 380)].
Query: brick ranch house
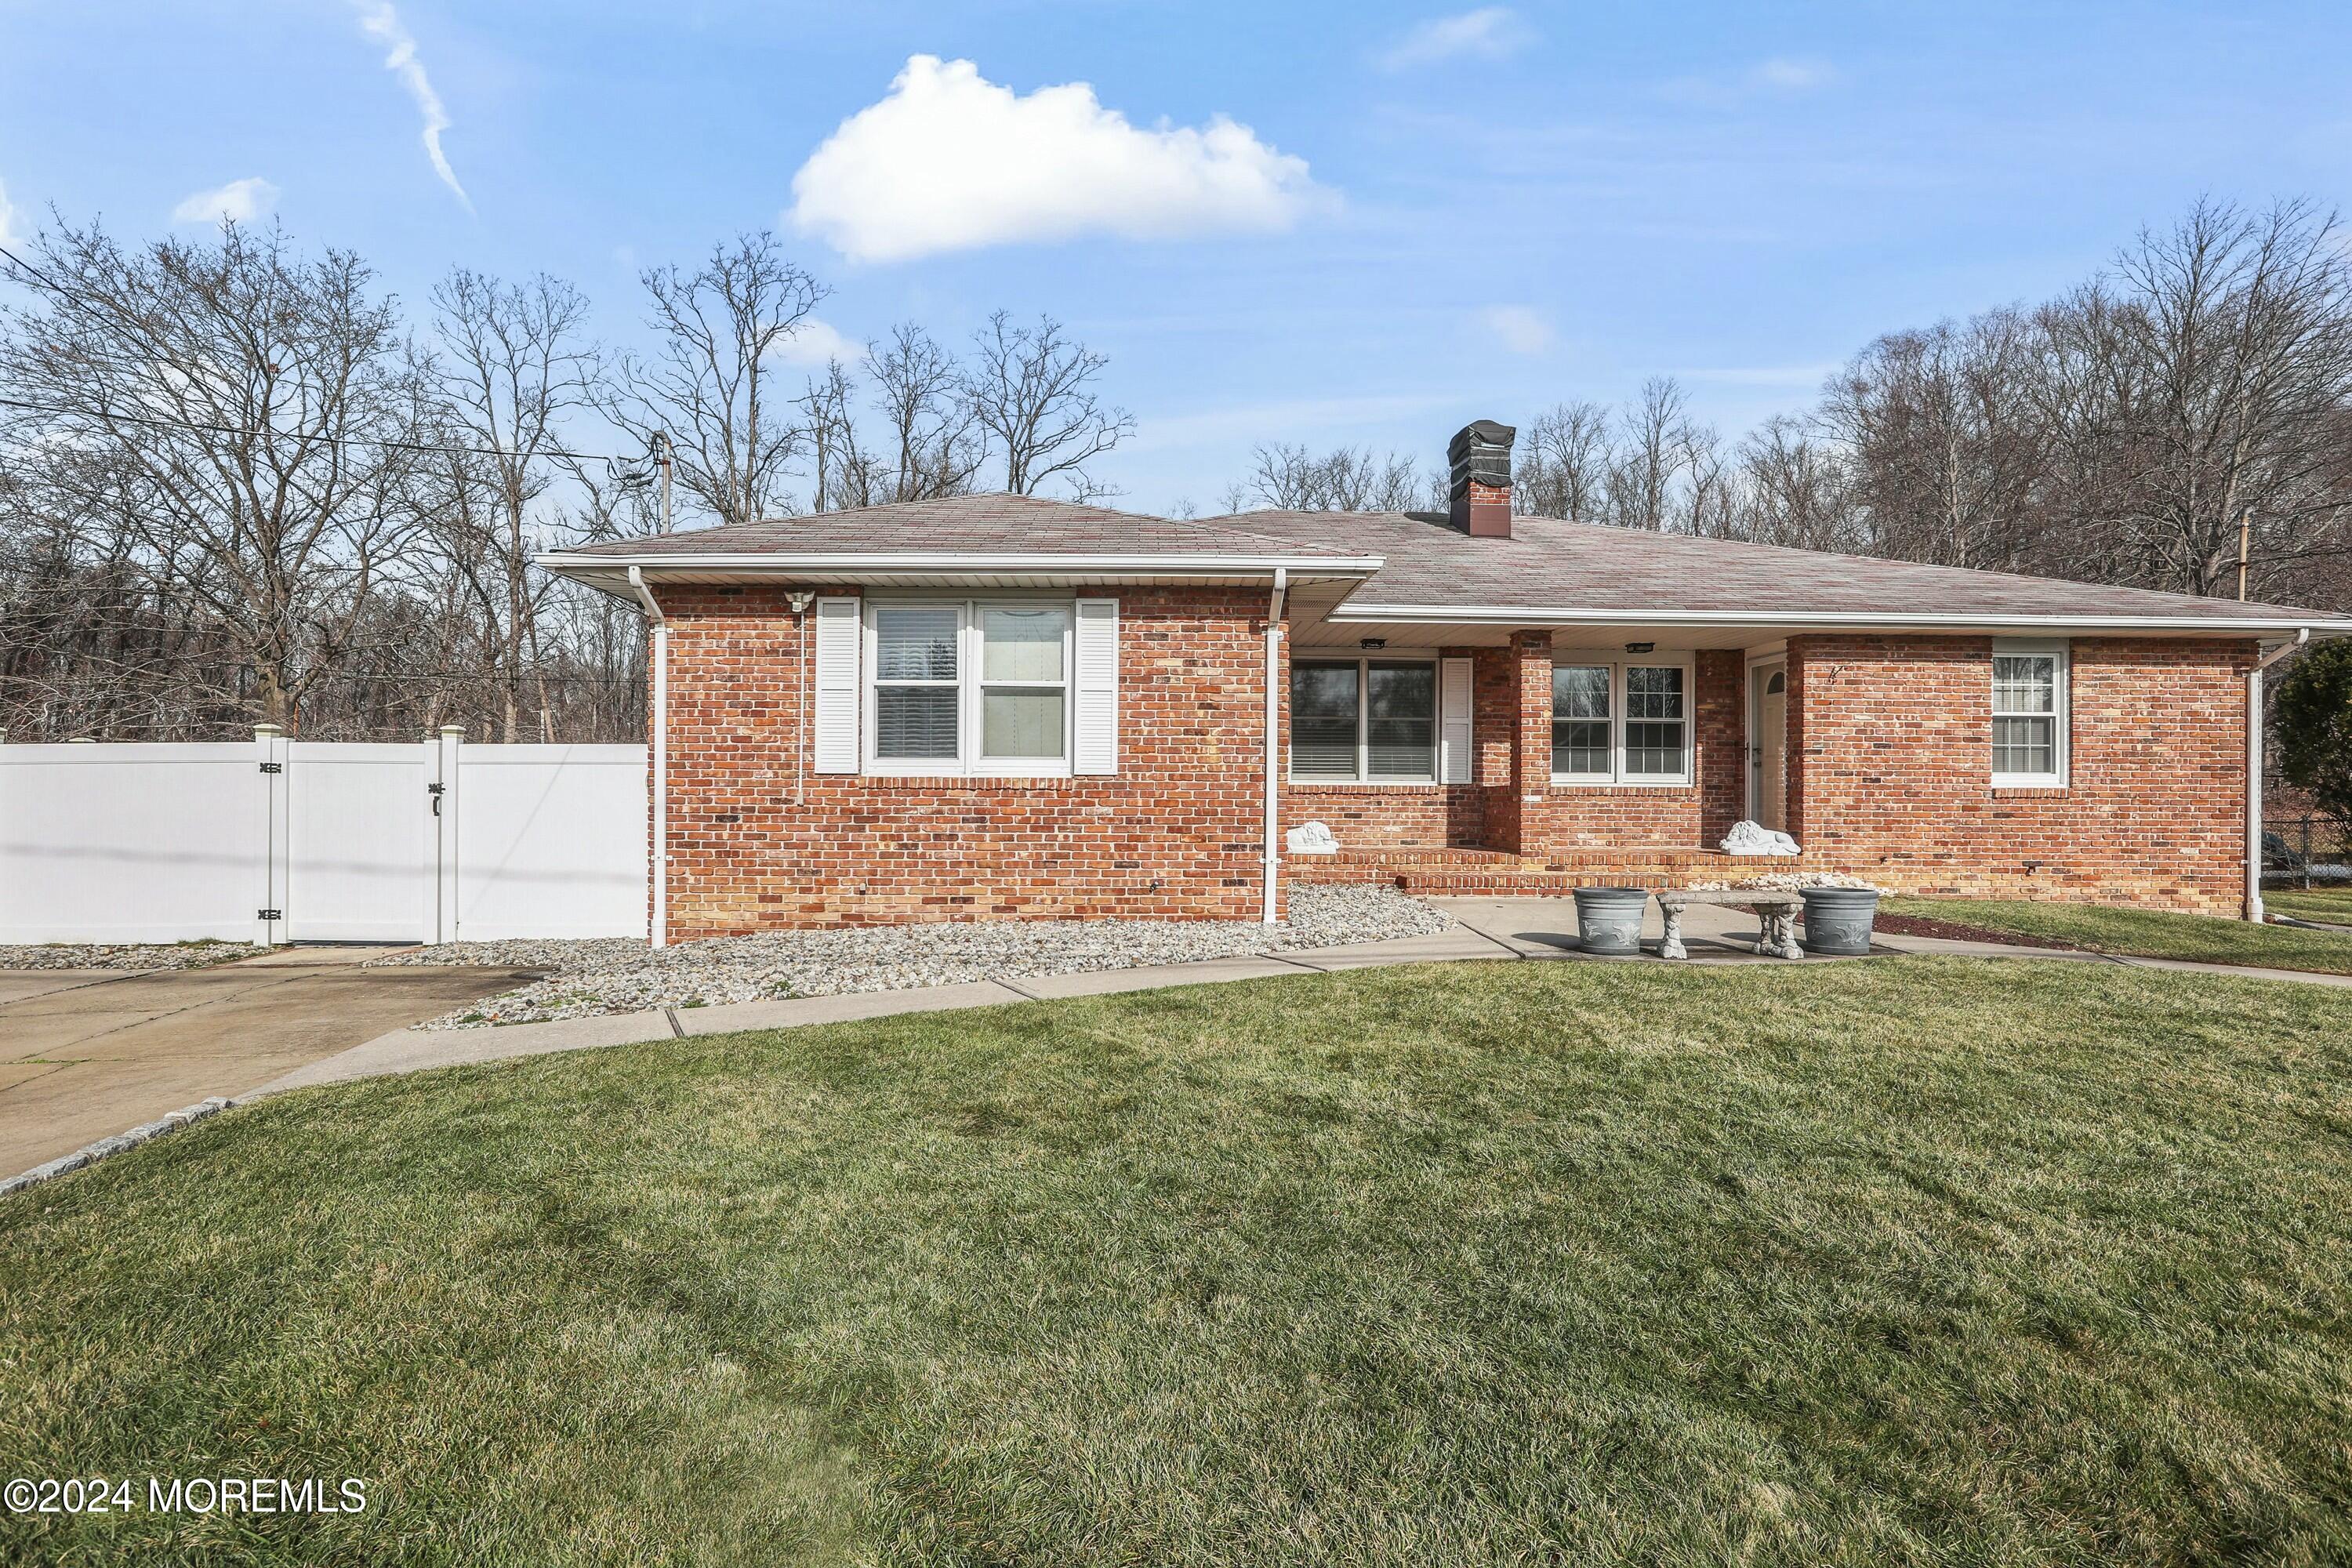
[(1002, 706)]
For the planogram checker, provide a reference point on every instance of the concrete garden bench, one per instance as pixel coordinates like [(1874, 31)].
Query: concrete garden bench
[(1777, 911)]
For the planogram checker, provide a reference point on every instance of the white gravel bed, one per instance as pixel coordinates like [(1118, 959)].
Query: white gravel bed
[(601, 977), (125, 955), (523, 952)]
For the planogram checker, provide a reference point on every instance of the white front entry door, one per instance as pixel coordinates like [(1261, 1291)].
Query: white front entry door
[(1771, 709)]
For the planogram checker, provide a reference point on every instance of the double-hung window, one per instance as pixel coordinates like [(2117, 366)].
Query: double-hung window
[(2029, 714), (1373, 720), (967, 688), (1615, 721)]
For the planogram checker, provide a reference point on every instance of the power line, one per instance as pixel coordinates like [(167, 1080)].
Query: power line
[(324, 440), (55, 287)]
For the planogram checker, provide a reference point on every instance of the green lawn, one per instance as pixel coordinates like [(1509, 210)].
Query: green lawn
[(1909, 1260), (2145, 933), (2320, 904)]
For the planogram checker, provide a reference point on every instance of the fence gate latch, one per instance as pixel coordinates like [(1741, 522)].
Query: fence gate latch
[(435, 790), (273, 767)]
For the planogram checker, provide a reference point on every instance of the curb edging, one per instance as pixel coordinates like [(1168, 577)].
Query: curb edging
[(90, 1154)]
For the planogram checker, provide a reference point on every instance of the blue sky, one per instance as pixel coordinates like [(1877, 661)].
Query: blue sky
[(1435, 212)]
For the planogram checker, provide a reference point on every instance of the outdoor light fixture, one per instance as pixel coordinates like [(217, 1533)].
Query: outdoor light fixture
[(1375, 642), (1640, 646)]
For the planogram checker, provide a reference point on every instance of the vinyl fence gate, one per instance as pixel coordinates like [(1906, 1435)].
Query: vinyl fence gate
[(274, 840)]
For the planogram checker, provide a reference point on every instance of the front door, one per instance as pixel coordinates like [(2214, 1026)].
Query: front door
[(1769, 793)]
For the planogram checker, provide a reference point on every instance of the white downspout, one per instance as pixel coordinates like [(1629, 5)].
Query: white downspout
[(658, 742), (1274, 743), (2254, 771)]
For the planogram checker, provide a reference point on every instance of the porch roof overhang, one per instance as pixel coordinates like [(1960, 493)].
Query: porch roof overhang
[(1478, 625)]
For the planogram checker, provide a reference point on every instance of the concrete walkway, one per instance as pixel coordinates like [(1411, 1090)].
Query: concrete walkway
[(1485, 929), (85, 1053)]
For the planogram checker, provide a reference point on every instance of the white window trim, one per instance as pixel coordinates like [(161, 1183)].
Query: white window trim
[(1617, 664), (2061, 705), (969, 763), (1363, 663)]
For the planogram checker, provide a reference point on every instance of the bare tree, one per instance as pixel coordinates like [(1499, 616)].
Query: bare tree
[(1031, 390), (1950, 444), (1346, 479), (1564, 455), (1650, 456), (2237, 369), (936, 440), (237, 414), (707, 383), (1794, 490), (514, 363), (843, 473)]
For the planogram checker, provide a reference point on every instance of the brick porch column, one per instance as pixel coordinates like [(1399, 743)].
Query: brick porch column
[(1530, 666)]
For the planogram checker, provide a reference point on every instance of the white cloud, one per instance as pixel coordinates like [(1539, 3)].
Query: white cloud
[(1488, 33), (378, 21), (1783, 75), (239, 201), (1793, 76), (1522, 327), (816, 341), (950, 161), (8, 234)]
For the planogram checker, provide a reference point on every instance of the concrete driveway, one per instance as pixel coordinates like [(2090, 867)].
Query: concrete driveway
[(86, 1053)]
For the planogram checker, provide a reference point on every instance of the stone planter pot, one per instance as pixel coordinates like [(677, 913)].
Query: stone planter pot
[(1609, 920), (1838, 919)]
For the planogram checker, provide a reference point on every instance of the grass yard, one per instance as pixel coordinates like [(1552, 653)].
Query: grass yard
[(2318, 904), (1910, 1260), (2145, 933)]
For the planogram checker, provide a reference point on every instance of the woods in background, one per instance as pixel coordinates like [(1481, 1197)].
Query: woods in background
[(2121, 433), (237, 484)]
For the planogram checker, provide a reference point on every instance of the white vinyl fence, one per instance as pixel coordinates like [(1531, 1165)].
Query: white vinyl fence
[(274, 840)]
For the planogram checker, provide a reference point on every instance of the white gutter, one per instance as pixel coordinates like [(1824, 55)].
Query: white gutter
[(1006, 563), (2254, 771), (658, 745), (1527, 616), (1274, 747)]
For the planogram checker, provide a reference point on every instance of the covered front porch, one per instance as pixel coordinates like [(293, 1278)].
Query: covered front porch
[(1473, 761)]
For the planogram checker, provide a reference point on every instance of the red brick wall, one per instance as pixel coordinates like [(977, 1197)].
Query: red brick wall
[(1890, 746), (1681, 816), (1889, 756), (1175, 833), (1511, 721)]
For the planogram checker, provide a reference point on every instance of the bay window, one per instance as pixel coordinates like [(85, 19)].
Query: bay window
[(1371, 719), (1621, 722), (967, 687), (2029, 714)]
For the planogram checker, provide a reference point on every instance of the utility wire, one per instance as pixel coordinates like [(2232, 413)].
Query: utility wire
[(326, 440), (55, 288)]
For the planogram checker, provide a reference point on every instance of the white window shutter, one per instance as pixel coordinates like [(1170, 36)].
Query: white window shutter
[(1095, 688), (1454, 720), (839, 631)]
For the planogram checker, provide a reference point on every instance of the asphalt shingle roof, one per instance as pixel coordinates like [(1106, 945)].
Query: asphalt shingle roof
[(1555, 565), (1546, 564), (996, 523)]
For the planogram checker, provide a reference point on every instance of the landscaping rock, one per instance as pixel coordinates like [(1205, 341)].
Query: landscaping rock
[(603, 977), (125, 955)]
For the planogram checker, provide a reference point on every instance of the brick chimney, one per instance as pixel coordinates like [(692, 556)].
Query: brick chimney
[(1478, 462)]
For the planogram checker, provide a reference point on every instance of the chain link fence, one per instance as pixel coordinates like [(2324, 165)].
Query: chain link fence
[(2306, 852)]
